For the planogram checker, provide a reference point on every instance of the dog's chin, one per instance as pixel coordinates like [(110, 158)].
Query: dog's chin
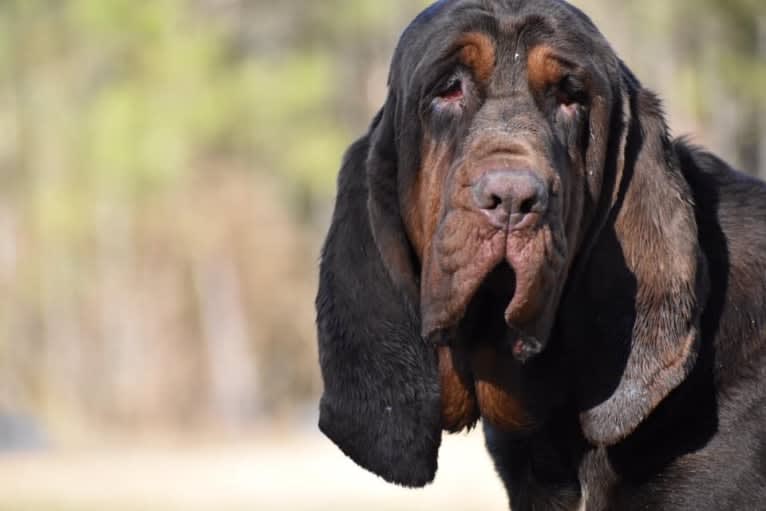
[(487, 309), (481, 367)]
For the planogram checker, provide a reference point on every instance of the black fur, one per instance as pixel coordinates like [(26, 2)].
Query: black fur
[(381, 398), (651, 391)]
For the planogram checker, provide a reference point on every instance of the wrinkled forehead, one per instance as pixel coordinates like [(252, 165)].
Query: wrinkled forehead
[(510, 26)]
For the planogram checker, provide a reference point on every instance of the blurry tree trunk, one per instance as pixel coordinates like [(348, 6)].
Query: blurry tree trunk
[(61, 329), (125, 358), (58, 362), (60, 268), (13, 354), (231, 362)]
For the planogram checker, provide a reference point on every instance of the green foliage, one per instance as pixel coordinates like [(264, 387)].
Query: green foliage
[(290, 102), (146, 90)]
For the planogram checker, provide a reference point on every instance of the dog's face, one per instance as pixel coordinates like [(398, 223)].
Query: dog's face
[(516, 176), (496, 200)]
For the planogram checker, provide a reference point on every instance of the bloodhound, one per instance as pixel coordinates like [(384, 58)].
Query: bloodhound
[(519, 240)]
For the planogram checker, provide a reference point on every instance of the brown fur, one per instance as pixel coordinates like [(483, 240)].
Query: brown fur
[(422, 201), (459, 410), (497, 390), (543, 68), (478, 53)]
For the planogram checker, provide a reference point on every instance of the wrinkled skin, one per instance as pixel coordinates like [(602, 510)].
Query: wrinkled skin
[(508, 93)]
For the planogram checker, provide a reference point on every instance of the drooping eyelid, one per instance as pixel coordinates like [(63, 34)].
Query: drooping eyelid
[(569, 66), (575, 87), (441, 71), (455, 56), (439, 84), (573, 79), (577, 74), (458, 74)]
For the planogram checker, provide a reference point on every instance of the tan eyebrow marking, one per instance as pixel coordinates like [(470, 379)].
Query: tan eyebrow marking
[(543, 67), (477, 51)]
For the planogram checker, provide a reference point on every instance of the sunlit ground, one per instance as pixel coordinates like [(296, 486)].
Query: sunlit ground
[(288, 472)]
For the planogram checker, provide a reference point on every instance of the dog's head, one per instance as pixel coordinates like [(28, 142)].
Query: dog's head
[(512, 141)]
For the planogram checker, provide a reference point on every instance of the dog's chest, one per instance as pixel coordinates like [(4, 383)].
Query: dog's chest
[(597, 481)]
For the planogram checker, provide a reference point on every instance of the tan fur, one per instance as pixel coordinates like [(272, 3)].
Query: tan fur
[(494, 390), (478, 53), (656, 235), (422, 204), (543, 68), (459, 410)]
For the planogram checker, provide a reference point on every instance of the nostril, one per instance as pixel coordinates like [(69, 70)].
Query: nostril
[(527, 205), (510, 196), (495, 202)]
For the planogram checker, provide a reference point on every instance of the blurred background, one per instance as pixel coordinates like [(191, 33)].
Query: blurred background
[(166, 176)]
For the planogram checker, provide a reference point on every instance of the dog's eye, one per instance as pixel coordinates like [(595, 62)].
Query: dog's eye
[(453, 91), (570, 91), (450, 96)]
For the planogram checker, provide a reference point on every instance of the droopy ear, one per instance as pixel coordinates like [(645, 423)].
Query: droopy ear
[(381, 402), (646, 283)]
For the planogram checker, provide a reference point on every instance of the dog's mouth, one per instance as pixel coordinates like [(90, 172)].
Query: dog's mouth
[(487, 299), (487, 321), (480, 359), (484, 318)]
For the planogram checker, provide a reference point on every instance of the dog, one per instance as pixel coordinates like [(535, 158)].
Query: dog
[(518, 239)]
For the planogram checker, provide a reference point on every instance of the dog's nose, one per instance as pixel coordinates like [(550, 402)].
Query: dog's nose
[(509, 197)]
